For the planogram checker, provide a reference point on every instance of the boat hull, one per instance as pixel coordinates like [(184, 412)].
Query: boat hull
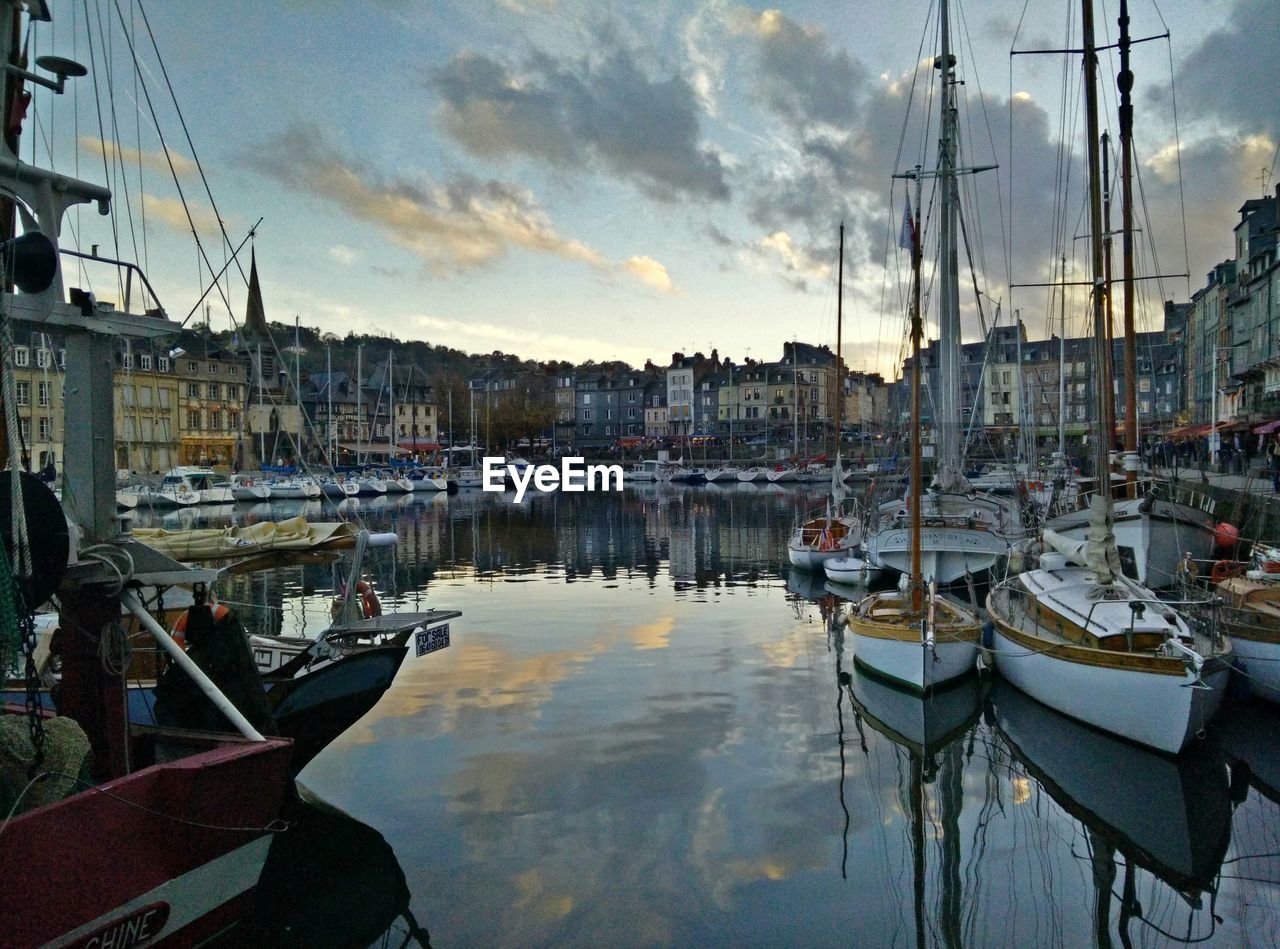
[(1156, 709), (947, 554), (174, 848)]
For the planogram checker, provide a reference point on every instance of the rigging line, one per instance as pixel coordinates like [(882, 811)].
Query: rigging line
[(102, 132), (118, 158), (142, 191), (982, 102), (182, 120), (1177, 144), (168, 157)]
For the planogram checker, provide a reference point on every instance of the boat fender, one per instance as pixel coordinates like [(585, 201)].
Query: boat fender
[(988, 635), (383, 539)]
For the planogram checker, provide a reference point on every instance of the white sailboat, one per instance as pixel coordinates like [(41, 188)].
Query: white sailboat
[(1075, 633), (836, 529), (964, 531)]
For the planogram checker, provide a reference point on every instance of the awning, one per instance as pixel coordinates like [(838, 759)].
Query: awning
[(1266, 428), (419, 444), (1192, 431), (631, 441)]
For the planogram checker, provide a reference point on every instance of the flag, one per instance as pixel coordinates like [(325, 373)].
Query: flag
[(907, 236)]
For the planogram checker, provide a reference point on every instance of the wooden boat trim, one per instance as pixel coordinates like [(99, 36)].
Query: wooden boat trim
[(1085, 656)]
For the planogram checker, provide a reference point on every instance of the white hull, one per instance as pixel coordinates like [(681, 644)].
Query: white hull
[(849, 570), (126, 500), (429, 484), (752, 475), (399, 486), (1260, 662), (947, 553), (371, 486), (787, 476), (913, 664), (251, 493), (217, 496), (720, 475), (1159, 711), (810, 558), (294, 491), (1151, 543)]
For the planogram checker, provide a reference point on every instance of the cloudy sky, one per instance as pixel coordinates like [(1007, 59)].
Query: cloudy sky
[(583, 179)]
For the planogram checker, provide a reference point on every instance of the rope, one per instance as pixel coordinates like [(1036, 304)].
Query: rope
[(273, 827)]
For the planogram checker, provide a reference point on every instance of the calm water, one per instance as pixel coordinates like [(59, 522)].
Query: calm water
[(645, 734)]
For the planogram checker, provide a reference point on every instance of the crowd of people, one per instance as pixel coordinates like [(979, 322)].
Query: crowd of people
[(1239, 453)]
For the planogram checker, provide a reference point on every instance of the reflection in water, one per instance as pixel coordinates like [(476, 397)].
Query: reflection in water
[(631, 740), (329, 880)]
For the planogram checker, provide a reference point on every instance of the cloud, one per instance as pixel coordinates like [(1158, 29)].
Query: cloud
[(455, 227), (131, 157), (650, 272), (170, 212), (343, 255), (605, 113), (527, 340)]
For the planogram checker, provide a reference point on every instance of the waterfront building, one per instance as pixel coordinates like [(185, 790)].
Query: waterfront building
[(148, 424), (212, 394)]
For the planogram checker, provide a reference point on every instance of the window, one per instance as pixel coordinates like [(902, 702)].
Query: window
[(1144, 407), (233, 370), (586, 431), (193, 390), (21, 357), (1144, 385), (162, 363), (145, 396), (213, 368), (45, 391), (126, 360), (608, 429), (214, 388), (144, 361), (164, 398), (586, 415), (193, 420), (45, 428), (233, 421), (586, 398), (24, 393), (24, 426), (609, 414), (62, 359), (215, 420), (43, 358), (192, 366), (631, 396)]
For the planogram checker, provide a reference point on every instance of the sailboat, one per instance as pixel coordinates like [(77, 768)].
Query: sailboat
[(1154, 529), (1075, 633), (912, 635), (964, 531), (832, 531), (1251, 617)]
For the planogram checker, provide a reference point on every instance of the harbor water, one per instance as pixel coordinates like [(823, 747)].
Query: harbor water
[(647, 732)]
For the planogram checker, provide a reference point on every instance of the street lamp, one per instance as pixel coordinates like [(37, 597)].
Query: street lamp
[(1213, 420)]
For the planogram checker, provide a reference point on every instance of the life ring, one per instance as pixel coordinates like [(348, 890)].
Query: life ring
[(369, 604), (248, 483), (1225, 570)]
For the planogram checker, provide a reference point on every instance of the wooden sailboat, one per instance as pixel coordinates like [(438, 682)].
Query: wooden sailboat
[(965, 531), (912, 635), (832, 531), (1154, 529), (1251, 617), (1075, 633)]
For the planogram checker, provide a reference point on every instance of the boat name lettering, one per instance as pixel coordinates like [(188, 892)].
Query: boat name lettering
[(572, 474), (138, 928)]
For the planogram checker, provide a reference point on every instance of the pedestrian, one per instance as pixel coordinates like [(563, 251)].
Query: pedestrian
[(1273, 456)]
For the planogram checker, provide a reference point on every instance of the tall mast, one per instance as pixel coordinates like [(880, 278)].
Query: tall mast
[(1062, 371), (262, 425), (839, 341), (917, 468), (1102, 355), (391, 405), (328, 368), (1125, 82), (947, 424), (1107, 370), (359, 387), (795, 402)]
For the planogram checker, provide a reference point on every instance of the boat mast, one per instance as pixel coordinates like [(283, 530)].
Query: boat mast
[(1062, 371), (1100, 289), (1125, 82), (947, 424), (1107, 370), (262, 425), (359, 387), (839, 342), (391, 406), (795, 402), (328, 369)]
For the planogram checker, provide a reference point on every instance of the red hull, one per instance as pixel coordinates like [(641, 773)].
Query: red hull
[(165, 853)]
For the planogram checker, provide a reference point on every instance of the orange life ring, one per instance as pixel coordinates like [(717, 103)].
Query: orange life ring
[(369, 604), (1225, 570)]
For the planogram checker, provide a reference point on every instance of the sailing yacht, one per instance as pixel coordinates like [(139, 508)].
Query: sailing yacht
[(964, 531), (834, 530), (1075, 633), (912, 635)]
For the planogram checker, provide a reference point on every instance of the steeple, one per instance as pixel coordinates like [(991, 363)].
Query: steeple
[(255, 318)]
